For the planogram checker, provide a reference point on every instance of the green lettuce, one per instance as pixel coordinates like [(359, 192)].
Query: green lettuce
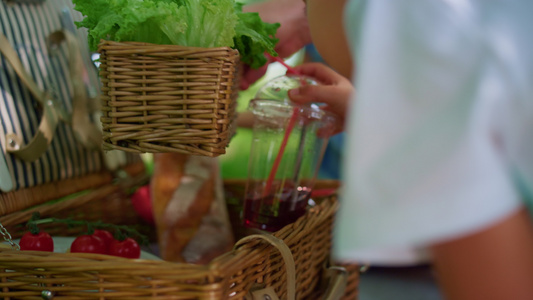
[(210, 23), (129, 20), (195, 23), (254, 37)]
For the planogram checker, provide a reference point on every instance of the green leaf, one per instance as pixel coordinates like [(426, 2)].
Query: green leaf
[(194, 23), (254, 37), (130, 20), (209, 23)]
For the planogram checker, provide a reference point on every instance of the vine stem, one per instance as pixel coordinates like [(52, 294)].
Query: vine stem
[(122, 231)]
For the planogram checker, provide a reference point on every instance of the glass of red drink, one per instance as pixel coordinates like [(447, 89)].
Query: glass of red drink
[(278, 188)]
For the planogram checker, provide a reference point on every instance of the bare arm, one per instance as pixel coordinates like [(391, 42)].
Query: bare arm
[(496, 263), (326, 24)]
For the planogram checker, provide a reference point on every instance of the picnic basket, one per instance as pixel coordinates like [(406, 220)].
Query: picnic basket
[(49, 133), (168, 98), (290, 264)]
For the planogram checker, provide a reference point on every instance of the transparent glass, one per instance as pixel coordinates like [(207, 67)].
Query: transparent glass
[(270, 205), (278, 87)]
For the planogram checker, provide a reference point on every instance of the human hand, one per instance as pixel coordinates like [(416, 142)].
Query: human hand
[(334, 90)]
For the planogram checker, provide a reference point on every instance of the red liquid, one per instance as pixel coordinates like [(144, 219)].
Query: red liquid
[(272, 213)]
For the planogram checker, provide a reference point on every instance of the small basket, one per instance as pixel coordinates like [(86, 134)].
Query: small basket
[(252, 266), (168, 98)]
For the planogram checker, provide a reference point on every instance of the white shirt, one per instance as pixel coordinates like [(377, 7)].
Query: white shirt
[(440, 135)]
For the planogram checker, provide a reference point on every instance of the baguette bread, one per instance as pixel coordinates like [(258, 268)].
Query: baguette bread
[(188, 219)]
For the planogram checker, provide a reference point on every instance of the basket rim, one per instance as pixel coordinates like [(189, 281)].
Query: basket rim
[(107, 43), (314, 216)]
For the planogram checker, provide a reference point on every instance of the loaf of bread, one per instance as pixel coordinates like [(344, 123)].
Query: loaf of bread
[(189, 209)]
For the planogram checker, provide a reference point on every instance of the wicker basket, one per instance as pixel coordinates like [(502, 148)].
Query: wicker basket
[(168, 98), (253, 263)]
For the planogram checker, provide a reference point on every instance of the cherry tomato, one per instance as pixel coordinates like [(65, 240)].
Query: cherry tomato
[(88, 244), (105, 236), (142, 204), (37, 242), (128, 248)]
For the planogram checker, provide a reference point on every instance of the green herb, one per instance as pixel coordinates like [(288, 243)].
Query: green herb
[(121, 231), (194, 23), (32, 227)]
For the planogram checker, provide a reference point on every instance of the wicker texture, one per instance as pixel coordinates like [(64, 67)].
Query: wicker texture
[(168, 98), (352, 288), (22, 199), (230, 276)]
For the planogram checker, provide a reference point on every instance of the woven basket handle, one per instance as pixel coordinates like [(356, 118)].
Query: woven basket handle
[(289, 265), (49, 119)]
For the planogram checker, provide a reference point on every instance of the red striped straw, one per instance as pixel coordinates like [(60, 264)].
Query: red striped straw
[(281, 61), (290, 126)]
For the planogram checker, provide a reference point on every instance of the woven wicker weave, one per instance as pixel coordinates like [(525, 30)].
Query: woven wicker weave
[(25, 274), (22, 199), (168, 98)]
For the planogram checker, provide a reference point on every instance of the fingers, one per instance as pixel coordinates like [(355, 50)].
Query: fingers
[(334, 90), (339, 126), (335, 97), (322, 73), (328, 94)]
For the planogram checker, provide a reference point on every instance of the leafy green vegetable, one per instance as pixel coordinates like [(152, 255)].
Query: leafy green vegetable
[(210, 23), (254, 37), (129, 20), (195, 23)]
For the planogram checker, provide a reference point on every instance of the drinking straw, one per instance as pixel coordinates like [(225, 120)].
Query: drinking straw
[(289, 68), (290, 126), (292, 122), (283, 63)]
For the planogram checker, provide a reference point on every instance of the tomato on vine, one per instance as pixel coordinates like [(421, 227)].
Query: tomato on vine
[(99, 241), (128, 248), (40, 241), (88, 244), (105, 236)]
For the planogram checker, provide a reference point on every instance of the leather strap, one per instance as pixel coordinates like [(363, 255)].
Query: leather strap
[(337, 280), (86, 131), (259, 294), (335, 277), (49, 119)]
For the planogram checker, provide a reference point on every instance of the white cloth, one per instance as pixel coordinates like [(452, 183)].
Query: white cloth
[(440, 135)]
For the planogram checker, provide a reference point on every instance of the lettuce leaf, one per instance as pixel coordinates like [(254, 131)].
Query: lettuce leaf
[(195, 23), (253, 37), (210, 23), (129, 20)]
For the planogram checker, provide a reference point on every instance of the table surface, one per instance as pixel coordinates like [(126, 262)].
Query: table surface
[(406, 283)]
